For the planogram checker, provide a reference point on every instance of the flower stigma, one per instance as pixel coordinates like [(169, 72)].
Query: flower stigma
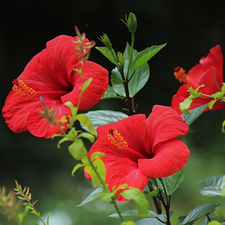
[(116, 139), (22, 89), (180, 74)]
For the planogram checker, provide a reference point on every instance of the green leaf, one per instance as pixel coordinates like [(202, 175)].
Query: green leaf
[(91, 196), (100, 168), (36, 214), (48, 218), (152, 221), (78, 150), (139, 77), (140, 199), (198, 212), (212, 103), (79, 165), (21, 216), (105, 195), (121, 58), (185, 105), (212, 186), (128, 223), (131, 213), (74, 110), (139, 80), (86, 122), (86, 84), (107, 53), (127, 57), (223, 126), (110, 93), (223, 88), (88, 136), (117, 82), (172, 182), (194, 114), (223, 192), (153, 193), (205, 220), (214, 223), (103, 117), (145, 55), (97, 155), (63, 140)]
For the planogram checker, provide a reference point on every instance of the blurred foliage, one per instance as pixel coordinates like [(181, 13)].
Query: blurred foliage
[(189, 28)]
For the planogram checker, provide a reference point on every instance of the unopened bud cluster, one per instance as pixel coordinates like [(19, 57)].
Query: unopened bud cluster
[(81, 45), (48, 114)]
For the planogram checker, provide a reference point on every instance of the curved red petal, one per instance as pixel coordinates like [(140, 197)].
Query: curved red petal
[(51, 68), (169, 157), (163, 124), (16, 110), (37, 125), (94, 91), (124, 171), (63, 53), (214, 59), (194, 75), (211, 81)]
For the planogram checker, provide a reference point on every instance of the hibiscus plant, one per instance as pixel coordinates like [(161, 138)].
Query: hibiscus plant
[(132, 157)]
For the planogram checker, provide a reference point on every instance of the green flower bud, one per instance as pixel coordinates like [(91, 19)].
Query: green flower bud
[(131, 22), (105, 40), (121, 58)]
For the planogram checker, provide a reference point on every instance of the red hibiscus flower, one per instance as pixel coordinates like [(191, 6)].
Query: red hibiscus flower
[(137, 148), (50, 75), (209, 72)]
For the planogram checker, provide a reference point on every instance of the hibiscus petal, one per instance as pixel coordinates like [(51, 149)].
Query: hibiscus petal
[(16, 110), (37, 125), (62, 51), (94, 91), (169, 157), (125, 171), (42, 75), (211, 81), (163, 124), (214, 59), (194, 75)]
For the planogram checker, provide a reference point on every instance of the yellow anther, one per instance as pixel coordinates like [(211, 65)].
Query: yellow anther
[(22, 89), (116, 139)]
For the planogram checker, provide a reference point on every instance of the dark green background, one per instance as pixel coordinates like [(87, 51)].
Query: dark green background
[(190, 29)]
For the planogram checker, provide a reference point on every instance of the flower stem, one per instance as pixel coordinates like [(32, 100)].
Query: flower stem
[(167, 204), (131, 51), (155, 200), (117, 209), (105, 188)]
